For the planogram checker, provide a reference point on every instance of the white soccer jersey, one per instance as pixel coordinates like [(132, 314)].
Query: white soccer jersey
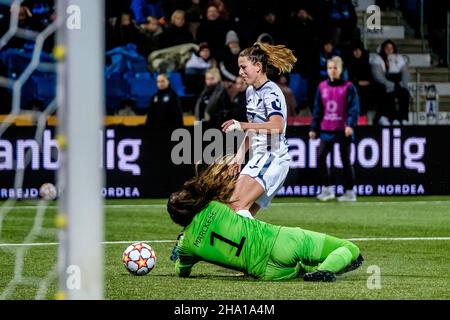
[(262, 103)]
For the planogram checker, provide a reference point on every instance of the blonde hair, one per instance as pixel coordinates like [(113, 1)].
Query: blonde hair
[(339, 63), (214, 183), (164, 75), (215, 72), (278, 56), (177, 12)]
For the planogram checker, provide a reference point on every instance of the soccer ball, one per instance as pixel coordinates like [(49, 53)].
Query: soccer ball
[(139, 258), (48, 191)]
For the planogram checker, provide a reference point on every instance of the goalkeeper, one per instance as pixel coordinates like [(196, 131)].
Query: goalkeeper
[(216, 234)]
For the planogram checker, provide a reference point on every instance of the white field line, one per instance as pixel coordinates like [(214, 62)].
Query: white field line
[(172, 241)]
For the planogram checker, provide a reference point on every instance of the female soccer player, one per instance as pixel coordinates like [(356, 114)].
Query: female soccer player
[(216, 234), (267, 169)]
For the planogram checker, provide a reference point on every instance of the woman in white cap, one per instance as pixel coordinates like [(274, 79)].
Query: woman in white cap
[(228, 64)]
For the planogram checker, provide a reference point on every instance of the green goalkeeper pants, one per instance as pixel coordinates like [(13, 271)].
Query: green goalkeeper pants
[(297, 249)]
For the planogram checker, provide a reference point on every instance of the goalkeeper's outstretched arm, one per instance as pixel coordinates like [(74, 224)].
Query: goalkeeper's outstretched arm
[(183, 266)]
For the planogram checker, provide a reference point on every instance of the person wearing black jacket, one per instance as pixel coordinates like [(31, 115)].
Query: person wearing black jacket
[(165, 111), (163, 117), (228, 60), (338, 20), (177, 32), (213, 104), (213, 30), (360, 74)]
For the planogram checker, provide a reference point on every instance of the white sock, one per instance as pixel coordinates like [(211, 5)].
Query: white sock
[(245, 213)]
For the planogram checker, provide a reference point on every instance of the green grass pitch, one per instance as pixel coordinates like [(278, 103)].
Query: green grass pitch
[(409, 268)]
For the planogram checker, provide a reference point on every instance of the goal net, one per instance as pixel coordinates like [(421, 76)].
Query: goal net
[(51, 113)]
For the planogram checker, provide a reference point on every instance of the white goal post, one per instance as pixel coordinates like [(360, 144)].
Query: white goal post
[(80, 97)]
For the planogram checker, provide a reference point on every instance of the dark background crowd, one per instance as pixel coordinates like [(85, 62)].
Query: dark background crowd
[(195, 43)]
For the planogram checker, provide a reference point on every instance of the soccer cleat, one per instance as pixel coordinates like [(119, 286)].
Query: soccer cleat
[(352, 266), (326, 194), (320, 275), (348, 196)]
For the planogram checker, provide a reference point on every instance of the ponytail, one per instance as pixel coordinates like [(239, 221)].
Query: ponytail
[(278, 56)]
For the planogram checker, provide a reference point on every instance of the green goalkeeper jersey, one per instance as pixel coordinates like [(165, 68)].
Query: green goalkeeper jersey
[(218, 235)]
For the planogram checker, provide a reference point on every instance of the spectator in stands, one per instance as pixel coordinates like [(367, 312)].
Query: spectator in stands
[(339, 21), (302, 30), (165, 112), (151, 31), (146, 8), (177, 32), (282, 80), (360, 75), (327, 51), (319, 67), (196, 67), (200, 61), (194, 16), (124, 30), (213, 104), (239, 100), (213, 30), (335, 117), (116, 7), (390, 69), (228, 64), (436, 22), (270, 25), (223, 10)]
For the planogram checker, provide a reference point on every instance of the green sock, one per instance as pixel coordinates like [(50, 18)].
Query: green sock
[(336, 260)]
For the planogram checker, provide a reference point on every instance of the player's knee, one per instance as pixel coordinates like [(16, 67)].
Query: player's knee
[(240, 205)]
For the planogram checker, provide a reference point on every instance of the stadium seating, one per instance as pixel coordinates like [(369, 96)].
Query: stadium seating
[(142, 89), (45, 87), (176, 82), (116, 91), (28, 92)]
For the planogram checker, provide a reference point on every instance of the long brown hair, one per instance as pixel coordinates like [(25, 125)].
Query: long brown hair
[(214, 183), (278, 56)]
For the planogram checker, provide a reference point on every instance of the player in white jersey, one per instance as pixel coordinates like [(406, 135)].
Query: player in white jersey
[(268, 166)]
